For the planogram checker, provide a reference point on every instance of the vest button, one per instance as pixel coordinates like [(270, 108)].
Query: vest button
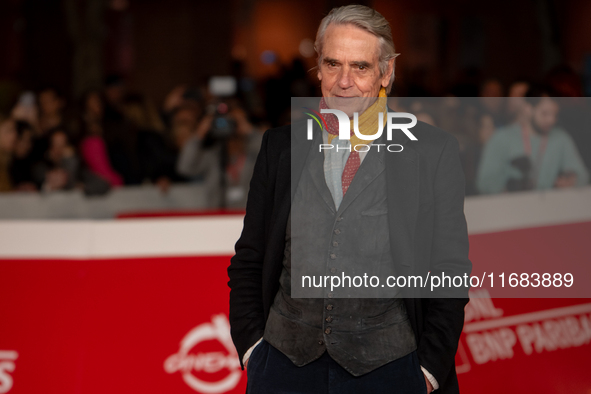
[(339, 218), (327, 331), (333, 256), (321, 342), (335, 243), (329, 307), (328, 319), (330, 295), (333, 270), (337, 231)]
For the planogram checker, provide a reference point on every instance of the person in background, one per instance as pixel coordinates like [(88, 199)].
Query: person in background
[(59, 168), (114, 93), (516, 100), (51, 109), (181, 96), (492, 107), (93, 149), (243, 148), (8, 139), (156, 161), (532, 153), (26, 110), (93, 109), (118, 133), (183, 123), (21, 169), (202, 155)]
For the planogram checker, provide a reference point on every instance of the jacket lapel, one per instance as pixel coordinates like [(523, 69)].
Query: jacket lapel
[(289, 171), (316, 169)]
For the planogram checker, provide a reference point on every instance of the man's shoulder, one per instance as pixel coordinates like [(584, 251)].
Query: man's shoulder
[(278, 135)]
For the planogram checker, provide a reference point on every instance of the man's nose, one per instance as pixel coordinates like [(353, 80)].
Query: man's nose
[(345, 79)]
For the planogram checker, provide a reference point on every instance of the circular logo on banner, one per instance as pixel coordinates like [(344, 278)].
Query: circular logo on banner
[(207, 359), (7, 358)]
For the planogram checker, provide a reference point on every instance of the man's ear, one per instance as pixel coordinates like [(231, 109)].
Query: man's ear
[(388, 74), (319, 74)]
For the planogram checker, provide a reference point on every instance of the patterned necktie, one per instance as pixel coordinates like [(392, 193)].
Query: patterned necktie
[(354, 161)]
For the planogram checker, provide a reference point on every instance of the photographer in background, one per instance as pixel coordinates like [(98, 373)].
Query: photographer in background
[(221, 153), (532, 153)]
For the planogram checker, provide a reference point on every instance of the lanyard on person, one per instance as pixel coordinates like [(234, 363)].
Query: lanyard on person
[(527, 148)]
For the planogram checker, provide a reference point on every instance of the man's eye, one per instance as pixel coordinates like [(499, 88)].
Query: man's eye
[(332, 64), (362, 67)]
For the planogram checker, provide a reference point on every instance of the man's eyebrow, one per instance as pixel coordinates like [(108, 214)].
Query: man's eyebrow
[(353, 63), (330, 60), (361, 63)]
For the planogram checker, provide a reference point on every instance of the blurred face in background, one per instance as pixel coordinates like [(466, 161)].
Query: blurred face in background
[(59, 141), (350, 66), (50, 103), (7, 136), (114, 93), (184, 123), (491, 95), (518, 89), (544, 115), (59, 146), (94, 106), (186, 117), (516, 95)]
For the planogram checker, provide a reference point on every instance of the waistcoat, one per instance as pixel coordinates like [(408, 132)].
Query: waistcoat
[(359, 327)]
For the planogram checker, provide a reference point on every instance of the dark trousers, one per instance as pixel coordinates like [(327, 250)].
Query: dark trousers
[(270, 371)]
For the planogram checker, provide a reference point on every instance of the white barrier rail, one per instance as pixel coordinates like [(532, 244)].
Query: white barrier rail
[(216, 235), (75, 205)]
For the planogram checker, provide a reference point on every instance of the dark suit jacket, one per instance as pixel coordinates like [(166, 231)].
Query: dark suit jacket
[(427, 233)]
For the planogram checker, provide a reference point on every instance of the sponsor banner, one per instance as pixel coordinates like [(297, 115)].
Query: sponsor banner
[(154, 325), (7, 366), (160, 325), (525, 345)]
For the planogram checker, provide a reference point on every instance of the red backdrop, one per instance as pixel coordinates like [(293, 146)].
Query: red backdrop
[(159, 325)]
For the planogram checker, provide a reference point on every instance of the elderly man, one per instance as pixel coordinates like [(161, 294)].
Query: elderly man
[(410, 199)]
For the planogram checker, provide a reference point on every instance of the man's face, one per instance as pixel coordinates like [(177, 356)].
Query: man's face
[(350, 66), (544, 115)]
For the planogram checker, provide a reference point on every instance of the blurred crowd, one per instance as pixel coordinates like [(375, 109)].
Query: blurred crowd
[(533, 138), (113, 137), (511, 138)]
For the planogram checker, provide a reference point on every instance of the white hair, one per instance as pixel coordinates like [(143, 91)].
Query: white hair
[(367, 19)]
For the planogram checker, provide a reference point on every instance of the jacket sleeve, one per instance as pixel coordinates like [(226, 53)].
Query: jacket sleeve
[(444, 317), (245, 271)]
